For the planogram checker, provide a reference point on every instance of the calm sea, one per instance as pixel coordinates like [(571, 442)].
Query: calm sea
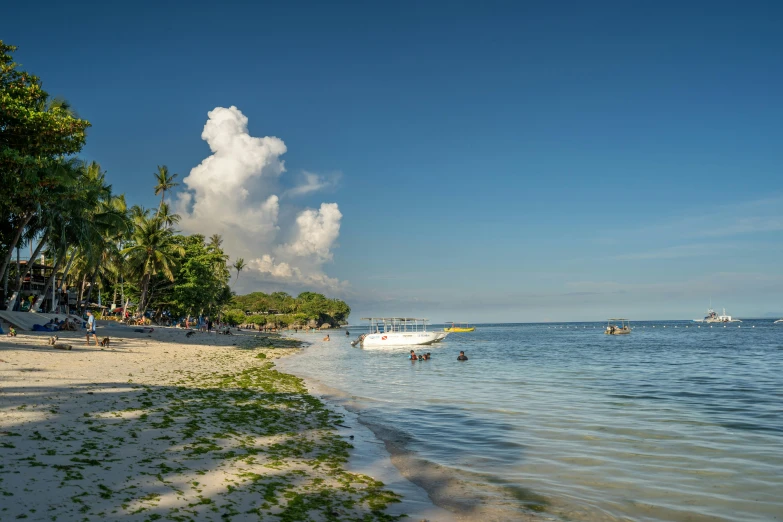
[(674, 422)]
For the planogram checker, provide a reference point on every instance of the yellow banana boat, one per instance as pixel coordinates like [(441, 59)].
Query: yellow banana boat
[(459, 327)]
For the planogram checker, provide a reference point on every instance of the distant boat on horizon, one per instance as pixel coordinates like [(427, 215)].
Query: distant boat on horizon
[(778, 321), (713, 317), (623, 328)]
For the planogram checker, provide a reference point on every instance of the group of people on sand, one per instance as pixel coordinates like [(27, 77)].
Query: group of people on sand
[(206, 325), (66, 324), (426, 356)]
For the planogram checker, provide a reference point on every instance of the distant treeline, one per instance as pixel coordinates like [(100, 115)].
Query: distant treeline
[(281, 309)]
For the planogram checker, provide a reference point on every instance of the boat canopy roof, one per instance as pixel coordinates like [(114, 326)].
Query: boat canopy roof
[(618, 319), (393, 319)]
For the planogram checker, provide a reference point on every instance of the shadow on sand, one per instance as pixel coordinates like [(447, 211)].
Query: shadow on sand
[(248, 446)]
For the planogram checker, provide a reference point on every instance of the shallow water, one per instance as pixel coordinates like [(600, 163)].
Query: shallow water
[(678, 423)]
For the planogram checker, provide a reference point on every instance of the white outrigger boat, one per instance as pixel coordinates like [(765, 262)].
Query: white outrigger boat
[(397, 331)]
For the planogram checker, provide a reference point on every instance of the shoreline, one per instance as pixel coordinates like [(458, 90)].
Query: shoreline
[(453, 497), (159, 425), (371, 456)]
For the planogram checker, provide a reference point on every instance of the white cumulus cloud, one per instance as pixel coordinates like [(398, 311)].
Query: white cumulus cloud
[(234, 193), (315, 233)]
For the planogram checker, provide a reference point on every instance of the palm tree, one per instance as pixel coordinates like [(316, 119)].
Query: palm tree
[(58, 180), (165, 216), (138, 214), (111, 224), (215, 240), (165, 181), (153, 251), (89, 225), (239, 265)]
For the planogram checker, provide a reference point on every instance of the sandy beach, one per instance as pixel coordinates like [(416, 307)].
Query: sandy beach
[(162, 425)]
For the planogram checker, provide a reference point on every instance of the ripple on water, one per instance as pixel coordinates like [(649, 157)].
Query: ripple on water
[(664, 424)]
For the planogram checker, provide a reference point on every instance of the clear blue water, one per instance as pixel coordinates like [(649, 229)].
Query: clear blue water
[(682, 423)]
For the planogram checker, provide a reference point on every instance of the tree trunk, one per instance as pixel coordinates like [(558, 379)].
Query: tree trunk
[(63, 286), (52, 281), (5, 287), (145, 281), (63, 282), (81, 293), (7, 261), (30, 266), (92, 284), (18, 280)]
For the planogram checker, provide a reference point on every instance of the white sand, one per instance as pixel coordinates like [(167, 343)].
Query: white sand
[(123, 432)]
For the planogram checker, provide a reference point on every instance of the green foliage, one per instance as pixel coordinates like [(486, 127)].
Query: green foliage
[(234, 317), (153, 251), (282, 309), (35, 129), (201, 281), (34, 133)]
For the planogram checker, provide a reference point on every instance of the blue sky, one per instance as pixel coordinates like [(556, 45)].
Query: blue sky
[(493, 161)]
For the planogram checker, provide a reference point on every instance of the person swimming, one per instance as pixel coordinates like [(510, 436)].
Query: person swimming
[(462, 356), (412, 356)]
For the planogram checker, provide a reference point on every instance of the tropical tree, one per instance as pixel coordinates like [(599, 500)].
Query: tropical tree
[(300, 309), (239, 265), (164, 181), (216, 241), (153, 251), (165, 216), (35, 132), (201, 279)]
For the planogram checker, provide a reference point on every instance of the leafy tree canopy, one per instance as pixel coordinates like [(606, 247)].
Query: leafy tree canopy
[(307, 305), (33, 129)]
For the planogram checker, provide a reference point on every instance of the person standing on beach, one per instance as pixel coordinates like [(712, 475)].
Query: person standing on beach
[(91, 328)]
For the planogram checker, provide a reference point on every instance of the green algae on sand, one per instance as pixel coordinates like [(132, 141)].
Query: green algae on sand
[(223, 436)]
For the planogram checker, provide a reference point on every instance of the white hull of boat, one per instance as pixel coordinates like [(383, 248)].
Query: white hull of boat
[(390, 339), (779, 321)]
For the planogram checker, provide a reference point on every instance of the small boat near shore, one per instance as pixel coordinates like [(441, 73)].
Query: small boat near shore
[(397, 331), (459, 327), (613, 328)]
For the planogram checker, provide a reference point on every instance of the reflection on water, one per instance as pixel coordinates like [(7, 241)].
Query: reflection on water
[(681, 424)]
